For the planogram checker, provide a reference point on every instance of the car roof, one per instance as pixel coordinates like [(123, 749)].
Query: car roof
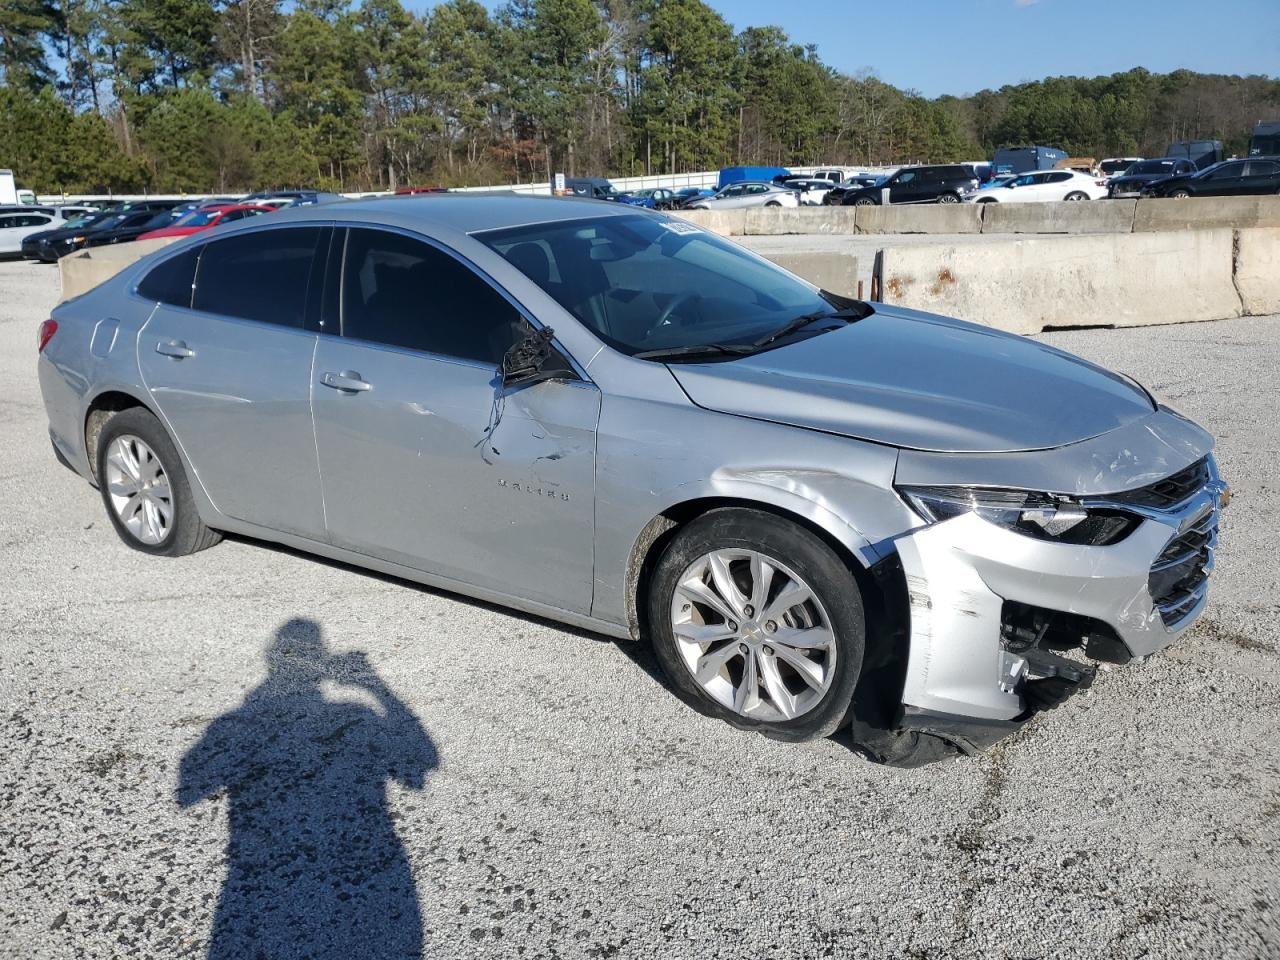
[(457, 212)]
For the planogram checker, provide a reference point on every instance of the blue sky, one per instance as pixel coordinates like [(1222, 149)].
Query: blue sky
[(962, 46)]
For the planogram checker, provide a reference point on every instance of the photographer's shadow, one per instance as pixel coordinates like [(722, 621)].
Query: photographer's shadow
[(315, 868)]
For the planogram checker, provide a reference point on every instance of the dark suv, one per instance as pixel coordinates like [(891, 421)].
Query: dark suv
[(1230, 178), (946, 183)]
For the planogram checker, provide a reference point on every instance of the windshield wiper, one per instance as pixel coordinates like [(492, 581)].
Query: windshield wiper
[(696, 349), (802, 321)]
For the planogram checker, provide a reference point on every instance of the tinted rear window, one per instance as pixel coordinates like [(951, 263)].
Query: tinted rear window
[(171, 281), (258, 276)]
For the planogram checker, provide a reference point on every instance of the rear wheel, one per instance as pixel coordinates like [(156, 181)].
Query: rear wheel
[(756, 621), (1076, 195), (145, 488), (1180, 194)]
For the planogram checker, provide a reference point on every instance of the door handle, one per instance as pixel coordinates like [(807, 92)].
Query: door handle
[(348, 381), (174, 348)]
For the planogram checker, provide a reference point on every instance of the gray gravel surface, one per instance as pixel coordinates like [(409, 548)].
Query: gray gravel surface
[(249, 752)]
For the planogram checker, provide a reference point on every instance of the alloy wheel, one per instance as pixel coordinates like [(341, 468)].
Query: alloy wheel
[(138, 487), (753, 634)]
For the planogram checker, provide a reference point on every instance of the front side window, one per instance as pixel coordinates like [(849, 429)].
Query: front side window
[(648, 283), (258, 276), (406, 293)]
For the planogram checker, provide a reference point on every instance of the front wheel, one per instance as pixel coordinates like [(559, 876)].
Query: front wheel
[(948, 198), (756, 621), (145, 488), (1180, 194), (864, 202), (1076, 195), (773, 203)]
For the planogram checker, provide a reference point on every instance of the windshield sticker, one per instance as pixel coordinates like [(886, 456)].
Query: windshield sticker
[(682, 227)]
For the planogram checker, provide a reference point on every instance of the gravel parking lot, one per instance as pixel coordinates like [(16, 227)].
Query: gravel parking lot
[(547, 797)]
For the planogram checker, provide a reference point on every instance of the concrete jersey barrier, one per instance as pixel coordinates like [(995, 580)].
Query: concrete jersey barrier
[(1023, 286), (1257, 270)]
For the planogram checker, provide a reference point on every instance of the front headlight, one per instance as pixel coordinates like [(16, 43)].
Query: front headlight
[(1040, 515)]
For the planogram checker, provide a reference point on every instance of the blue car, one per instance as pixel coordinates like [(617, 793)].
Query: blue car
[(651, 197)]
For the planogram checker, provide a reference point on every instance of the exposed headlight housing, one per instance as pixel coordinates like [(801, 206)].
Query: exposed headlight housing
[(1039, 515)]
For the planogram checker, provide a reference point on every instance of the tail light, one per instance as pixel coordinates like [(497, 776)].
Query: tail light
[(47, 330)]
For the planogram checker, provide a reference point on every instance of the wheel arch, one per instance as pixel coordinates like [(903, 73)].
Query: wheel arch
[(99, 410), (880, 581)]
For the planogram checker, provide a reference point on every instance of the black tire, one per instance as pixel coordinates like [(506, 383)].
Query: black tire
[(773, 203), (949, 198), (1179, 194), (986, 200), (186, 533), (1076, 195), (865, 202), (814, 562)]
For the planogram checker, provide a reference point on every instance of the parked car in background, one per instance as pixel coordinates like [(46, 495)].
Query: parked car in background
[(1114, 166), (748, 193), (68, 210), (812, 190), (1043, 186), (49, 245), (1256, 176), (683, 196), (790, 495), (1203, 153), (1025, 159), (944, 183), (16, 227), (291, 198), (206, 218), (1085, 165), (28, 208), (1265, 141), (1146, 172), (650, 197), (835, 196)]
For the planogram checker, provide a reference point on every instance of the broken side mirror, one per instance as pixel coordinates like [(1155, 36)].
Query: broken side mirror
[(532, 359)]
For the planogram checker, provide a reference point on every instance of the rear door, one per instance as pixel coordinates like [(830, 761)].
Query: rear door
[(227, 357), (1262, 177), (427, 461)]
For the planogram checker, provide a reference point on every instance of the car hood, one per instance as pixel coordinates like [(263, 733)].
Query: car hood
[(923, 382)]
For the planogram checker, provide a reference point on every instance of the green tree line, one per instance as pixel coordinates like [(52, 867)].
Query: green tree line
[(227, 95)]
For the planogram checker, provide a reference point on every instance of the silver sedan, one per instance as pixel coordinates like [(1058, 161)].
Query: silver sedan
[(749, 193), (817, 510)]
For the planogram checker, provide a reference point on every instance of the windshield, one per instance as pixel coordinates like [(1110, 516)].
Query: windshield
[(1152, 166), (199, 218), (83, 220), (647, 283)]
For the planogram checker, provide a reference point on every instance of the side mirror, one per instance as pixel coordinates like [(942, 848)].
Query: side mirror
[(532, 359)]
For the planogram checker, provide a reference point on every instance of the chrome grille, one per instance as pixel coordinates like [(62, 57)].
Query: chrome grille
[(1180, 575), (1170, 491)]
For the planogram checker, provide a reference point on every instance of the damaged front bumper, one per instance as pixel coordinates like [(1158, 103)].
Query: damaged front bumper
[(989, 607)]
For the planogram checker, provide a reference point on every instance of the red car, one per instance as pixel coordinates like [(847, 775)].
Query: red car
[(206, 217)]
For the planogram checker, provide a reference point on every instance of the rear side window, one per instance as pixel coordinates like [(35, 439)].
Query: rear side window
[(258, 276), (406, 293), (171, 280), (1061, 176)]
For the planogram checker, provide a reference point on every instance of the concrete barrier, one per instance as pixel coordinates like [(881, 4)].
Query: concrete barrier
[(773, 221), (837, 272), (85, 269), (1207, 213), (920, 218), (1024, 286), (1257, 270), (1092, 216)]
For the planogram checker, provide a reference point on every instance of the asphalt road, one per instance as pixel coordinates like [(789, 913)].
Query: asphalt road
[(545, 796)]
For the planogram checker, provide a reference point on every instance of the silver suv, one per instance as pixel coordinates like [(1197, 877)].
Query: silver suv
[(818, 510)]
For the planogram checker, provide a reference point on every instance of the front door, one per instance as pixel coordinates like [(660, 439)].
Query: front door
[(426, 460), (233, 375)]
